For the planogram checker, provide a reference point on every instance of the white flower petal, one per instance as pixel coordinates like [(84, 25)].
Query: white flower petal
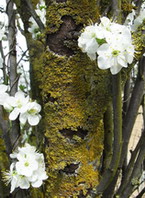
[(92, 56), (37, 183), (115, 69), (3, 88), (23, 182), (23, 118), (33, 119), (122, 61), (14, 184), (14, 114), (3, 97), (103, 63)]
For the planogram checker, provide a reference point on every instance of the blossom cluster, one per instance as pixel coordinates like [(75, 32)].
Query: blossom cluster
[(108, 42), (27, 169), (20, 106)]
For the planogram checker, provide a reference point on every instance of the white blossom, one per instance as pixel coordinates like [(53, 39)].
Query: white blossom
[(31, 113), (108, 42), (21, 106), (89, 40), (27, 170), (20, 101), (16, 180)]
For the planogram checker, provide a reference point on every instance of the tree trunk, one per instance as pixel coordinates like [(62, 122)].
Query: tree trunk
[(75, 95)]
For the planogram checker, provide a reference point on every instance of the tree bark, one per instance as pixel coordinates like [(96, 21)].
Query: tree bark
[(75, 95)]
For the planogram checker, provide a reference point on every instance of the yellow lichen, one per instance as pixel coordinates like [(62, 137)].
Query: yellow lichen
[(80, 92)]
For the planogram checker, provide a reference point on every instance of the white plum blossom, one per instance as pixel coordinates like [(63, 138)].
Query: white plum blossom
[(20, 100), (27, 170), (89, 40), (108, 42), (22, 107), (11, 177), (3, 94), (31, 113), (113, 57), (16, 180)]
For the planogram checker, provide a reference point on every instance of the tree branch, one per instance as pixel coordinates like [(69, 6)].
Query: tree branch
[(129, 169), (136, 173), (135, 102), (108, 137), (34, 15), (14, 131), (108, 175)]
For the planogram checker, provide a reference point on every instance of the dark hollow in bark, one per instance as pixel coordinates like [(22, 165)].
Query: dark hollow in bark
[(56, 41), (68, 133)]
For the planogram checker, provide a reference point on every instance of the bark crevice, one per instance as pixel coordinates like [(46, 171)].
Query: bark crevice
[(60, 41)]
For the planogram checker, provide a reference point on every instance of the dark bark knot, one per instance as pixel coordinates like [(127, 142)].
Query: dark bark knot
[(62, 41), (68, 133), (49, 98), (70, 169)]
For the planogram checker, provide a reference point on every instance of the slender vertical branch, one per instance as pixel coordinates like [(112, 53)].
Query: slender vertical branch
[(108, 137), (116, 7), (129, 169), (4, 65), (135, 102), (12, 47), (108, 175), (34, 15), (136, 173), (14, 131), (125, 108)]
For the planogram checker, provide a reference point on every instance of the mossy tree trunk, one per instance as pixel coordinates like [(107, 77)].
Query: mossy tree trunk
[(75, 94)]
